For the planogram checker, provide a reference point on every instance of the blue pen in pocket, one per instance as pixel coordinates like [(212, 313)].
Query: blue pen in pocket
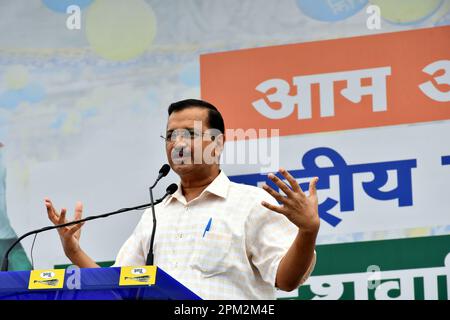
[(208, 227)]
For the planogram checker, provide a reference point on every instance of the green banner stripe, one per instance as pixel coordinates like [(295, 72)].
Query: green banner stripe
[(423, 252)]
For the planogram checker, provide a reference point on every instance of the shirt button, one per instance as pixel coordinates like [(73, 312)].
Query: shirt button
[(180, 235)]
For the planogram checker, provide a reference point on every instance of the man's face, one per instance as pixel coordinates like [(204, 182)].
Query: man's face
[(189, 146)]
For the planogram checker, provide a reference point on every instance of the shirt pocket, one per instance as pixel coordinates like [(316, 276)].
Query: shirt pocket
[(212, 252)]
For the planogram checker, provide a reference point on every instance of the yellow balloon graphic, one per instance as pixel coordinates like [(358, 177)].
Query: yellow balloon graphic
[(406, 11), (16, 77), (120, 30)]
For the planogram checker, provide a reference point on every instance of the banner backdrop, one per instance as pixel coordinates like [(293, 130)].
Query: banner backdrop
[(361, 82), (365, 185), (360, 113), (354, 92)]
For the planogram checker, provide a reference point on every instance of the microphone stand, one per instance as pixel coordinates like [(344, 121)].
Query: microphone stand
[(143, 206), (150, 256), (162, 173)]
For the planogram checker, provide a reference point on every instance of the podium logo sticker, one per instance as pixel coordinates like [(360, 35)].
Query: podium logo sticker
[(46, 279), (137, 276)]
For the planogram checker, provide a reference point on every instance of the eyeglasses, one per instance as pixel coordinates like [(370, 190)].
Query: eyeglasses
[(187, 134)]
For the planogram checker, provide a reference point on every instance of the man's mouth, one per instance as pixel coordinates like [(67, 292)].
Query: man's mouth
[(181, 156)]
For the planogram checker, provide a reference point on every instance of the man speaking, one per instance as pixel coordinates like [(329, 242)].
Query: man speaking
[(220, 239)]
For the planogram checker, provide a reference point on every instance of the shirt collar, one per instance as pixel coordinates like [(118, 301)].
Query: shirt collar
[(218, 187)]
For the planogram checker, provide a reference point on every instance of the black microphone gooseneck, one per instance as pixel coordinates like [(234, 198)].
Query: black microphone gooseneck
[(162, 173), (170, 190)]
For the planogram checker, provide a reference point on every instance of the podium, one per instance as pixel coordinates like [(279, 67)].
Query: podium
[(94, 284)]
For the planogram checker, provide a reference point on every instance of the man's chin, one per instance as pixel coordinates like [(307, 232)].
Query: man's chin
[(183, 166)]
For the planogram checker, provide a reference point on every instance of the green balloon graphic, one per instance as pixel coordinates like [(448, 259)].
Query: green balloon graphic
[(120, 30)]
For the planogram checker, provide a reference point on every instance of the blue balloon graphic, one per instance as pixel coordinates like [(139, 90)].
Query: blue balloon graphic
[(58, 121), (61, 5), (190, 75), (33, 93), (330, 10), (12, 98)]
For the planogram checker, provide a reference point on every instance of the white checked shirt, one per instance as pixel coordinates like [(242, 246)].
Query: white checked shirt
[(237, 258)]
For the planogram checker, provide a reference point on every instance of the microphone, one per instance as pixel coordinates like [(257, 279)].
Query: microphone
[(162, 173), (170, 190)]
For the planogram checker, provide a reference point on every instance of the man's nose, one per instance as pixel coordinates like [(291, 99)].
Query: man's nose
[(181, 142), (180, 138)]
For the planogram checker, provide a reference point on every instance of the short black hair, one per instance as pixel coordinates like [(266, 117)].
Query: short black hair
[(215, 120)]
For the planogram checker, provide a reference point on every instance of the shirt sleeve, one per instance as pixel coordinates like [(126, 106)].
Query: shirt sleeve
[(269, 236)]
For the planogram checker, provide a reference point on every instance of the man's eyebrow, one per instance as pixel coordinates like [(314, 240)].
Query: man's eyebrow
[(185, 128)]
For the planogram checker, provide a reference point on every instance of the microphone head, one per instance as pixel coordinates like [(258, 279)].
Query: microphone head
[(164, 170), (172, 188)]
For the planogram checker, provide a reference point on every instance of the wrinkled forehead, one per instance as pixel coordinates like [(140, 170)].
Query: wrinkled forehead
[(188, 118)]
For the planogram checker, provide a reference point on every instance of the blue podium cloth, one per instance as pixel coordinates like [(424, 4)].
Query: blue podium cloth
[(96, 284)]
